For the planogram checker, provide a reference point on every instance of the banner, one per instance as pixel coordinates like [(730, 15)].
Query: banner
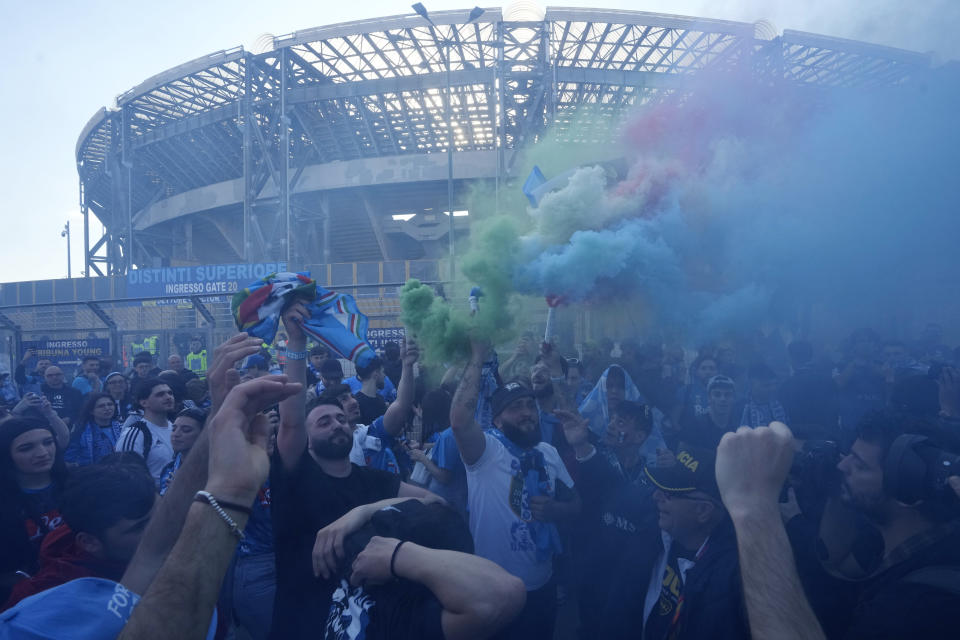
[(217, 279), (65, 353), (377, 338)]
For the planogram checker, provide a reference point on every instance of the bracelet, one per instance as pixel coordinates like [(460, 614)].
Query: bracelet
[(207, 498), (233, 506), (393, 560), (296, 355)]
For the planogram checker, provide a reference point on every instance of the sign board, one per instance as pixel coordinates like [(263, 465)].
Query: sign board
[(223, 279), (65, 352), (379, 337)]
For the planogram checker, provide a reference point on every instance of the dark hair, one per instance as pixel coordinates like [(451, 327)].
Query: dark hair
[(391, 346), (16, 508), (319, 350), (143, 356), (616, 372), (335, 391), (880, 427), (86, 414), (143, 389), (89, 358), (323, 400), (194, 414), (98, 496), (331, 368), (364, 372), (637, 412), (124, 457)]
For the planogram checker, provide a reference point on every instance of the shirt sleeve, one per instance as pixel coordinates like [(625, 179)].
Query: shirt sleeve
[(553, 461), (131, 439), (447, 455)]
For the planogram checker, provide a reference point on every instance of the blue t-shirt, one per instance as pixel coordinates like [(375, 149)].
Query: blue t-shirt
[(258, 534), (446, 456)]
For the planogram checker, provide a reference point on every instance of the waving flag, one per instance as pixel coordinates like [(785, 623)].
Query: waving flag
[(335, 321)]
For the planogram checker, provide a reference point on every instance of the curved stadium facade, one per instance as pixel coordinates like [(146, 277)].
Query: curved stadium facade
[(333, 145)]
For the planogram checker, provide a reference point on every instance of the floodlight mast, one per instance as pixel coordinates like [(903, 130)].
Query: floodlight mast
[(475, 13)]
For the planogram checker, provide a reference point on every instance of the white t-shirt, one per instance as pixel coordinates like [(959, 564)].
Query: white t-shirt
[(161, 451), (501, 534)]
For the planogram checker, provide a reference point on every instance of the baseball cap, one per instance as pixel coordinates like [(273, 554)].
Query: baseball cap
[(720, 381), (695, 470), (82, 609), (507, 394)]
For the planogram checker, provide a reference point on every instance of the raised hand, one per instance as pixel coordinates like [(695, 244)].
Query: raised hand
[(239, 433), (752, 465), (222, 375)]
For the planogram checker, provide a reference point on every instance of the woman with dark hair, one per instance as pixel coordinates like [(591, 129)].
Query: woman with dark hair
[(97, 432), (119, 389), (32, 474)]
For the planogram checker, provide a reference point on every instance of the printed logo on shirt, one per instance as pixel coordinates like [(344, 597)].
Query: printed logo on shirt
[(48, 522), (122, 602), (349, 613)]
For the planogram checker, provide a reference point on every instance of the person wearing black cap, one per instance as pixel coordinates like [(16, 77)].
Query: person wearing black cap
[(687, 583), (517, 489)]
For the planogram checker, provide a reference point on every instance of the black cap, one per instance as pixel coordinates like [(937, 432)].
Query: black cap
[(694, 471), (507, 394)]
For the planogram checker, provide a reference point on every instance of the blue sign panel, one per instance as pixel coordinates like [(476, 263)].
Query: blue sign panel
[(65, 352), (379, 337), (203, 280)]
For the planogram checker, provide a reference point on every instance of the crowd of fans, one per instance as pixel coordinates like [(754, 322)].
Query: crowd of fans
[(750, 488)]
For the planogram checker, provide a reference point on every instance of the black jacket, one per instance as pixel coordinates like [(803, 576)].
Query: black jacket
[(713, 596), (894, 605)]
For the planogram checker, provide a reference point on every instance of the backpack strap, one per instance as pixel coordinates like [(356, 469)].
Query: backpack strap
[(943, 577), (147, 437)]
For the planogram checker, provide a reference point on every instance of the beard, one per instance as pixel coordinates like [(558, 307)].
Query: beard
[(337, 447), (521, 438), (543, 392)]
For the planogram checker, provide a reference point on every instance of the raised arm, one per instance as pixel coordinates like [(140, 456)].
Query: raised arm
[(180, 601), (399, 409), (478, 597), (171, 512), (292, 435), (752, 465), (469, 436)]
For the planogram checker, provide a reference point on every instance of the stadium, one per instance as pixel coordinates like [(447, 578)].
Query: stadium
[(349, 143), (340, 149)]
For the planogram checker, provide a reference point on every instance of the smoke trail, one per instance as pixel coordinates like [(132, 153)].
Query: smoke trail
[(741, 201)]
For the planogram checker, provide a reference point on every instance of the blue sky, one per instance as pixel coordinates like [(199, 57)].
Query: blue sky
[(64, 60)]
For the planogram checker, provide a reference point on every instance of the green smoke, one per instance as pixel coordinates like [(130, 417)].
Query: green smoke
[(443, 327)]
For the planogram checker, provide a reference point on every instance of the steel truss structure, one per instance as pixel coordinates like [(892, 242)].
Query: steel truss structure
[(304, 152)]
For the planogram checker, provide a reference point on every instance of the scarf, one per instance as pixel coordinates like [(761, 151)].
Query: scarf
[(335, 320), (98, 442), (760, 415), (536, 482), (595, 408), (488, 385)]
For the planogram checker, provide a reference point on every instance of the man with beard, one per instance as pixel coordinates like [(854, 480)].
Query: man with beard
[(314, 484), (517, 488)]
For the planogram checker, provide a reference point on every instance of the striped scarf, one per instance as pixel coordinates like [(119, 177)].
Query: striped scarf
[(335, 321)]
